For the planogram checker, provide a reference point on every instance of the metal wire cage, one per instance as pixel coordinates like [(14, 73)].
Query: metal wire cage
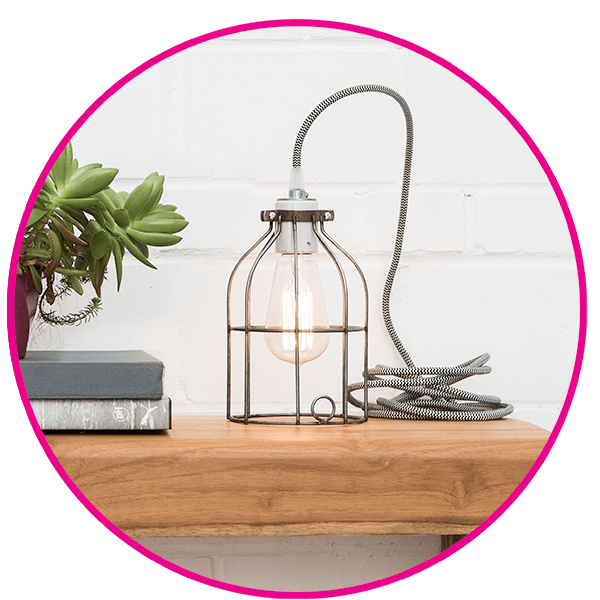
[(338, 413)]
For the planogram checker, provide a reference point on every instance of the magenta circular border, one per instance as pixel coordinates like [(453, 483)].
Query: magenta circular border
[(364, 31)]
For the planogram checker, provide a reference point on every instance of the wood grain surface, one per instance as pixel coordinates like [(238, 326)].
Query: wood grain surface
[(209, 477)]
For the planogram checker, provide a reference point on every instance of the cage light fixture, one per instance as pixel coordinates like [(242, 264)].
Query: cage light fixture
[(297, 330), (296, 327)]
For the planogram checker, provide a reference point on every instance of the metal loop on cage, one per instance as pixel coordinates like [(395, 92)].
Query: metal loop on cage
[(322, 418)]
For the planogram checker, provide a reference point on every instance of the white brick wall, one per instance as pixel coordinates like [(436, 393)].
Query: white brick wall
[(298, 564), (488, 263)]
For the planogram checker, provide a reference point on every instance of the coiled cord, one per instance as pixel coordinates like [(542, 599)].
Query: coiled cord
[(427, 392)]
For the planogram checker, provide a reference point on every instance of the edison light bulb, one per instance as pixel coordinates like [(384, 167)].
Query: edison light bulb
[(311, 310)]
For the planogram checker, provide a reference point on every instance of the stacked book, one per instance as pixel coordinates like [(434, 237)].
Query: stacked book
[(96, 390)]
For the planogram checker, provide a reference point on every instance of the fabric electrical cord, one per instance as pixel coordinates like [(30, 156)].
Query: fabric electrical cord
[(426, 392)]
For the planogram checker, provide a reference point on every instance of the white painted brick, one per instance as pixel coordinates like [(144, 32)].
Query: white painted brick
[(214, 110), (246, 111), (183, 552), (195, 564), (223, 220), (521, 221), (435, 223), (366, 218), (299, 563), (138, 129), (304, 572), (459, 136), (525, 316)]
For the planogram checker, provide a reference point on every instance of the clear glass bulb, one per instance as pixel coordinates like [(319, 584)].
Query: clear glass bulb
[(312, 313)]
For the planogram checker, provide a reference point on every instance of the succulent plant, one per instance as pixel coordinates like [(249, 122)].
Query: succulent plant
[(78, 222)]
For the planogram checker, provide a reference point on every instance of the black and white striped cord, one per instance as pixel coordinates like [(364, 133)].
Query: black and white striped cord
[(426, 392)]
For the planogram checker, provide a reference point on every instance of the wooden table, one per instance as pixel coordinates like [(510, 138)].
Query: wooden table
[(208, 477)]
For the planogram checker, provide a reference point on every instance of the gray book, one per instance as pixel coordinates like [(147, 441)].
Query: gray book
[(112, 374), (103, 414)]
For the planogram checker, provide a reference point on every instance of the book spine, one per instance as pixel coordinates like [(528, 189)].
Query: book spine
[(103, 414)]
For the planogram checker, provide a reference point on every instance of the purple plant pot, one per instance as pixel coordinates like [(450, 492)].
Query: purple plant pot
[(26, 298)]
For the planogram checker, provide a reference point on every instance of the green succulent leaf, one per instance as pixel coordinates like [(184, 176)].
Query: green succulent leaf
[(38, 253), (68, 161), (61, 170), (89, 183), (75, 284), (118, 258), (154, 239), (81, 170), (36, 215), (110, 199), (101, 215), (97, 272), (48, 187), (75, 217), (100, 244), (73, 272), (35, 277), (121, 217), (91, 228), (136, 203), (157, 190), (71, 237), (81, 263), (164, 215), (135, 251), (142, 248), (78, 203), (155, 225), (55, 252), (164, 208)]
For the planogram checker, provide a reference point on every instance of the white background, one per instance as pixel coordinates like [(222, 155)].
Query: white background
[(536, 59)]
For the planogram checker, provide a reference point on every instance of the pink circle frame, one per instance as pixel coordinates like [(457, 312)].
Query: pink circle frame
[(476, 86)]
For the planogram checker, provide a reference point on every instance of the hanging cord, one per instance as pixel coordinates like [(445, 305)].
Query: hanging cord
[(427, 392)]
